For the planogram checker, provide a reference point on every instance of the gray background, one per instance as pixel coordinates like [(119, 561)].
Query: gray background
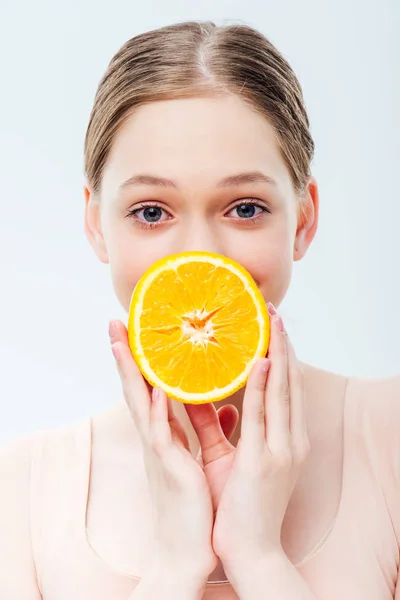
[(342, 309)]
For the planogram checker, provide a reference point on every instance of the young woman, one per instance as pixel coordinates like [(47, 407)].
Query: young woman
[(199, 140)]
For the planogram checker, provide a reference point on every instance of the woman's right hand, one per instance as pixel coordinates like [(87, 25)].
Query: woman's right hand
[(182, 504)]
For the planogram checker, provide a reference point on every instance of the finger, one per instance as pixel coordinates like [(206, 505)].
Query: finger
[(228, 416), (135, 391), (160, 433), (277, 396), (298, 420), (171, 414), (253, 413), (177, 430), (118, 333), (205, 422)]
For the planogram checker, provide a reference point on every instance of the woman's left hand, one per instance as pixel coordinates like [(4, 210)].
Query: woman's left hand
[(266, 464)]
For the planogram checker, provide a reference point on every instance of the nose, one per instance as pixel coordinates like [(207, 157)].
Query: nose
[(201, 237)]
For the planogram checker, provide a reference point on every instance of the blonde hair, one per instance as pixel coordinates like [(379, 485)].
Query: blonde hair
[(193, 59)]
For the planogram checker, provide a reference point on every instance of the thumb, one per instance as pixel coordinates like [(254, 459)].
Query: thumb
[(213, 429)]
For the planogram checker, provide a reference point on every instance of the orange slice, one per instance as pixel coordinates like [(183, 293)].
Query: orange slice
[(197, 322)]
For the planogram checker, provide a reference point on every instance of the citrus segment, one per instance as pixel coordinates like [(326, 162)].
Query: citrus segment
[(197, 322)]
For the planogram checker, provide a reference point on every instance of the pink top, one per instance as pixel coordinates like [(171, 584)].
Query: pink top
[(44, 552)]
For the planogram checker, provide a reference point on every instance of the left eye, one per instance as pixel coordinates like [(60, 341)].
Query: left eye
[(247, 211)]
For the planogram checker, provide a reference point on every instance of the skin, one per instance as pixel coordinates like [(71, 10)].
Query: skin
[(197, 142)]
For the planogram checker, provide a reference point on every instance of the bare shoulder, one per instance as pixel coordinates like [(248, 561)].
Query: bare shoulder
[(375, 408), (379, 391), (388, 385), (327, 393), (316, 377), (322, 384), (17, 451), (15, 466)]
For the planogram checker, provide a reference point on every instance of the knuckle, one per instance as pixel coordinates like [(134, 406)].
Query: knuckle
[(205, 425), (284, 460), (157, 444), (259, 386), (153, 443), (301, 451), (283, 393), (259, 413)]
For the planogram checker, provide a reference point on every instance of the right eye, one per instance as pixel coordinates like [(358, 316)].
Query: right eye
[(149, 215)]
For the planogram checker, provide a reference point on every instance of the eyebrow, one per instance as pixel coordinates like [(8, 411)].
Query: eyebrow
[(231, 180)]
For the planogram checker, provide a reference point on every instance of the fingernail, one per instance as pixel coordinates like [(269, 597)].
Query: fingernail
[(115, 352), (271, 308), (112, 329), (155, 394)]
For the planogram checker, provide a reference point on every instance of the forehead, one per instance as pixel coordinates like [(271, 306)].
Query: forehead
[(195, 138)]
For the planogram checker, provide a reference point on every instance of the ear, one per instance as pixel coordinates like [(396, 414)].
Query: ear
[(92, 224), (307, 219)]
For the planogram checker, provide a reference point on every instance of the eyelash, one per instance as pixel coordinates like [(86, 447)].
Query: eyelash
[(247, 202)]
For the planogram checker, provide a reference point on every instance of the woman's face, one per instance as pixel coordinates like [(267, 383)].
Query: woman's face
[(199, 174)]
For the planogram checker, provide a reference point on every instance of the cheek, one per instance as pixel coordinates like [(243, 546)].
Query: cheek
[(272, 271), (128, 262), (124, 275)]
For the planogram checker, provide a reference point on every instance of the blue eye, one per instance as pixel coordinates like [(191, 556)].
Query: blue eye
[(152, 214), (149, 215), (249, 210), (246, 211)]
